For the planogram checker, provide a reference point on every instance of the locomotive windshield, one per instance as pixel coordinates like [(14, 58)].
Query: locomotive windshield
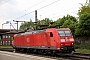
[(64, 33)]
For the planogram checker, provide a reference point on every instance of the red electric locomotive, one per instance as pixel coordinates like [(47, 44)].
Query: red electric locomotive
[(48, 40)]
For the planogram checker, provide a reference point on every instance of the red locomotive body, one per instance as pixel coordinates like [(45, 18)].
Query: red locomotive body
[(51, 39)]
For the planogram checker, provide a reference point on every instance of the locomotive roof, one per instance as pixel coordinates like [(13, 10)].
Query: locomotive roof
[(40, 31), (32, 32)]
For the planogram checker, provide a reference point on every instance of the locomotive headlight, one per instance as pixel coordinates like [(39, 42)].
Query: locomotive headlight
[(62, 45), (72, 43), (71, 39), (62, 40)]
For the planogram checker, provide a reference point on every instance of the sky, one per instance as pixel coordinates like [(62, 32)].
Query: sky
[(24, 10)]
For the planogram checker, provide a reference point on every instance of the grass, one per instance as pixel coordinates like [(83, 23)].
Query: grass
[(83, 50), (5, 46)]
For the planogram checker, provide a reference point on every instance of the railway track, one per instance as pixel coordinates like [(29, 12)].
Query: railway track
[(7, 49), (74, 56), (80, 56)]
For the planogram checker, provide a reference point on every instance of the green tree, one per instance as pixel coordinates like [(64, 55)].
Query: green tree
[(58, 21), (26, 25), (83, 9), (41, 23), (62, 20), (83, 23), (44, 23), (83, 28), (67, 22), (70, 24)]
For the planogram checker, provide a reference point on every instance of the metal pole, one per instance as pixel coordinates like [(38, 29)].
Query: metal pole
[(36, 19), (10, 26), (17, 23), (2, 26), (17, 26)]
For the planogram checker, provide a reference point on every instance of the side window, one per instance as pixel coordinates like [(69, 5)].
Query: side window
[(51, 34), (3, 36)]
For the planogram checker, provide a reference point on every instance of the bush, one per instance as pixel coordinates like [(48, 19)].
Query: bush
[(82, 46)]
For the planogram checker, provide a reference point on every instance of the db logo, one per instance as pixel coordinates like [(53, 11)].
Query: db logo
[(28, 40)]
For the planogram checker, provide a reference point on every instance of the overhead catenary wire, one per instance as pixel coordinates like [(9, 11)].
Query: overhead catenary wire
[(27, 9), (35, 5), (4, 2), (12, 26), (38, 9), (27, 13), (48, 4), (62, 11), (64, 14), (23, 15), (61, 15)]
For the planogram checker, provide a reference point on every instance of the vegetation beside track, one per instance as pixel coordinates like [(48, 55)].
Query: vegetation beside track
[(82, 47), (83, 50), (6, 47)]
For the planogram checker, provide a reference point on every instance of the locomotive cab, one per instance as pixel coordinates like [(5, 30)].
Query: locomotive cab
[(66, 39)]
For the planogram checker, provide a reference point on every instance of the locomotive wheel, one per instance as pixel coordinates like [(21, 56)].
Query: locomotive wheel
[(70, 52), (16, 50), (53, 53), (25, 50)]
